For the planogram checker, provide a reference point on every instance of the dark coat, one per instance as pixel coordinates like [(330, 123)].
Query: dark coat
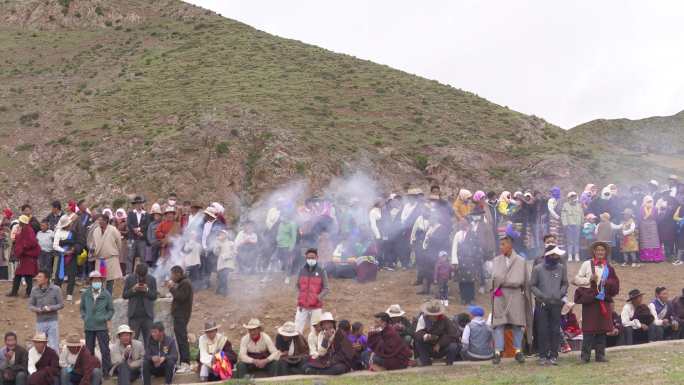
[(340, 351), (181, 306), (26, 250), (301, 349), (139, 298), (388, 345), (593, 320), (86, 362), (667, 227), (20, 361), (47, 369), (442, 328), (132, 223)]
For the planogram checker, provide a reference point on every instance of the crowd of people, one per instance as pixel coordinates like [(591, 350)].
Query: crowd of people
[(514, 246)]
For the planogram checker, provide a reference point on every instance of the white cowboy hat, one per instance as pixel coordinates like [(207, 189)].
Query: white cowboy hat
[(327, 316), (211, 211), (40, 337), (95, 274), (123, 329), (252, 324), (210, 325), (288, 329), (395, 311)]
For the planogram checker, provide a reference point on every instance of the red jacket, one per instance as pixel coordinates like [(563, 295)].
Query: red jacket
[(310, 284), (26, 250)]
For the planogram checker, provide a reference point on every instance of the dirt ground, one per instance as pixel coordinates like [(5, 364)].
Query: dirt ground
[(274, 302)]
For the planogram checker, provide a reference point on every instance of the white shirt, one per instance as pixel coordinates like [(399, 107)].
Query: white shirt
[(374, 216), (465, 338), (626, 317), (458, 238), (657, 319), (34, 357), (138, 215), (407, 211), (205, 233)]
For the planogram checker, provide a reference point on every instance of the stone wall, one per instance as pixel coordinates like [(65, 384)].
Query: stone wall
[(162, 312)]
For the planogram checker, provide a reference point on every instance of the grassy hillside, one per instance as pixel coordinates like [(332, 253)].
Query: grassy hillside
[(101, 99)]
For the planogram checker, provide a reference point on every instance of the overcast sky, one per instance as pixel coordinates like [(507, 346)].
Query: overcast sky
[(566, 61)]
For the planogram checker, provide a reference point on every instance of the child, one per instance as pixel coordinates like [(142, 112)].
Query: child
[(191, 252), (45, 239), (359, 342), (477, 338), (587, 235), (247, 250), (224, 249), (443, 270), (605, 230), (629, 244)]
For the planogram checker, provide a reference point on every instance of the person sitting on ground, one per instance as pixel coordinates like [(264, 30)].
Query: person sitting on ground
[(343, 264), (312, 338), (632, 317), (43, 362), (293, 348), (257, 352), (213, 347), (614, 337), (401, 324), (662, 315), (570, 328), (357, 362), (13, 361), (79, 366), (436, 335), (677, 305), (478, 339), (388, 350), (127, 356), (358, 339), (339, 354), (161, 356)]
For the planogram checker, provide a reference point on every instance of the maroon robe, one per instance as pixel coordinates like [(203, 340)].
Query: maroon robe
[(388, 345), (26, 250), (593, 318), (47, 369)]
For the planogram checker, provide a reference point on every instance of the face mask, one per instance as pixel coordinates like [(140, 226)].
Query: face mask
[(550, 261), (311, 262), (97, 285), (476, 218)]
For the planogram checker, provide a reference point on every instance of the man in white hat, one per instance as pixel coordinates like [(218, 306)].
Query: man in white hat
[(97, 309), (127, 356), (293, 348), (257, 351), (401, 324), (43, 362), (79, 365), (436, 335), (210, 230), (211, 345)]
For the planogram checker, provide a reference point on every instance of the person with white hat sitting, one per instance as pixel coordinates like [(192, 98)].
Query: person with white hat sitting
[(294, 350), (339, 354), (79, 365), (401, 324), (257, 351), (97, 309), (127, 356), (43, 362), (214, 346)]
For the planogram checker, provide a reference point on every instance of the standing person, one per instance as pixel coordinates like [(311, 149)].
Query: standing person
[(597, 285), (79, 365), (649, 241), (549, 284), (69, 243), (410, 211), (160, 356), (13, 361), (165, 232), (96, 310), (462, 205), (45, 239), (54, 215), (137, 222), (667, 227), (286, 239), (572, 217), (106, 248), (27, 210), (210, 229), (246, 243), (180, 288), (629, 244), (26, 251), (224, 249), (214, 346), (43, 362), (140, 289), (151, 235), (127, 356), (469, 248), (312, 286), (554, 207), (442, 275), (388, 350), (510, 302), (257, 352), (46, 301)]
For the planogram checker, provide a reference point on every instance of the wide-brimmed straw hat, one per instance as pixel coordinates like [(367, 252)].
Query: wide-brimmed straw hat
[(24, 219), (73, 341), (414, 191), (210, 325), (252, 324), (124, 329), (155, 209), (327, 316), (606, 245), (95, 274), (288, 329), (395, 311), (170, 209), (432, 308), (211, 211), (40, 337)]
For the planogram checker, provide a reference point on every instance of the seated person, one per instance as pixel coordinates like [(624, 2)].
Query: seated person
[(339, 354), (257, 352), (344, 257), (388, 350), (637, 323), (215, 346), (13, 361), (43, 362), (677, 305), (79, 366), (662, 316), (477, 340), (127, 356), (401, 324), (359, 342), (293, 348), (357, 362), (569, 326), (312, 338), (616, 336), (436, 336), (161, 356)]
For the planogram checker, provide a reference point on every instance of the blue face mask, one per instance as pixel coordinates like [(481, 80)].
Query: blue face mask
[(97, 285)]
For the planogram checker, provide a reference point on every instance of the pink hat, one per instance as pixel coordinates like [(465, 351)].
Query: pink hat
[(479, 195)]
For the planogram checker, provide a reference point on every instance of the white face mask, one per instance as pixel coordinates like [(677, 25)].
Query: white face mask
[(311, 262)]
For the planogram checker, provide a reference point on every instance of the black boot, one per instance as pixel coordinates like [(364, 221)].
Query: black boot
[(601, 350), (585, 355)]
